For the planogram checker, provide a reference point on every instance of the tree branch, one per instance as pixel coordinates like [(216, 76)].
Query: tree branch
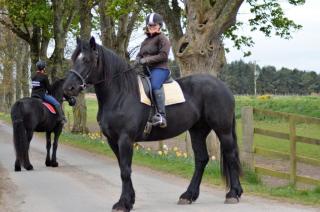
[(16, 30), (225, 19)]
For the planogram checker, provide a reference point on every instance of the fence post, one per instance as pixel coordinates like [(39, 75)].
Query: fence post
[(293, 159), (247, 136)]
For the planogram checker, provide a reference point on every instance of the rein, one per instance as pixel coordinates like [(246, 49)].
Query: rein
[(85, 84)]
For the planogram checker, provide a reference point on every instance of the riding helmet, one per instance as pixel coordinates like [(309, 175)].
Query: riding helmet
[(41, 65), (154, 18)]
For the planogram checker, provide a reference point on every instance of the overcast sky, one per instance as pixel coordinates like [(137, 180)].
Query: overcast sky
[(302, 51)]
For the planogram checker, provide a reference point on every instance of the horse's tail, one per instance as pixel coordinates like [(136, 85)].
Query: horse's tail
[(19, 132), (224, 163)]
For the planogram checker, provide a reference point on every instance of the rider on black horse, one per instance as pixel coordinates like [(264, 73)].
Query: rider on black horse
[(41, 88), (154, 53)]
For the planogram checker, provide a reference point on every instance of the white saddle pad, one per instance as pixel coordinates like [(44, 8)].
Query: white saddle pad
[(173, 93)]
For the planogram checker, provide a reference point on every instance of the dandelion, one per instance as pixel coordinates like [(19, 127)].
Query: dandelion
[(175, 148), (213, 157), (159, 152), (165, 147), (178, 154), (148, 149), (185, 155)]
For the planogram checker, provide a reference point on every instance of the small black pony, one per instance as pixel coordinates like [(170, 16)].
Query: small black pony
[(29, 115), (122, 117)]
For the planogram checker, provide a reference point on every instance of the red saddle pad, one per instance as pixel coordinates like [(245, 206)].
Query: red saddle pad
[(49, 107)]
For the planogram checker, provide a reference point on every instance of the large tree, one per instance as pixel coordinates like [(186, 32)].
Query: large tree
[(80, 109), (31, 21), (63, 13), (200, 48)]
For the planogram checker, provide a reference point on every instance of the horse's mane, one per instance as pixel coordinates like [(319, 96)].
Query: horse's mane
[(56, 87), (114, 69)]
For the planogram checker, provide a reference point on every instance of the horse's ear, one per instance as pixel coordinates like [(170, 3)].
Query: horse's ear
[(93, 44), (78, 41)]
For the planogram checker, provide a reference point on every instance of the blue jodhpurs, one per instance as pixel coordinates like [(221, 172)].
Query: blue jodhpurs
[(158, 77), (50, 99)]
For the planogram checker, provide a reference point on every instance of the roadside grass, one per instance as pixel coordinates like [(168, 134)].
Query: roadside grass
[(169, 162)]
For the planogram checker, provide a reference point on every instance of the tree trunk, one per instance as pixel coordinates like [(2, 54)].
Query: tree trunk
[(116, 36), (195, 56), (80, 115), (80, 109), (61, 11), (18, 62), (8, 85), (25, 70), (35, 48)]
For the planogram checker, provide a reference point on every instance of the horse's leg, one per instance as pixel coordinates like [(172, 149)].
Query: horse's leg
[(57, 133), (198, 138), (48, 146), (230, 165), (125, 153), (27, 165)]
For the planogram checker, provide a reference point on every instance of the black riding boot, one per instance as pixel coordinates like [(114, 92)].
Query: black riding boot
[(60, 113), (159, 119)]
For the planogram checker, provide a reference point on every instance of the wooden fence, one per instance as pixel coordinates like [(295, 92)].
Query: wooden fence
[(249, 149)]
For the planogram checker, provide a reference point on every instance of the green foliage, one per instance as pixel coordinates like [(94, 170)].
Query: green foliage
[(239, 76), (120, 7), (28, 13), (268, 18), (240, 41)]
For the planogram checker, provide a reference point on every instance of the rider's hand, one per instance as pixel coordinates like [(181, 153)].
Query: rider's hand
[(137, 61), (143, 61)]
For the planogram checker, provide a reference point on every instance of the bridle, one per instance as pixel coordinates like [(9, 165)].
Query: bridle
[(83, 80)]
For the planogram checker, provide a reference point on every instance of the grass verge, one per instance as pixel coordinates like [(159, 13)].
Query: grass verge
[(183, 167)]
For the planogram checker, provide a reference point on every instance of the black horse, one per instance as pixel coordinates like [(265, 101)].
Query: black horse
[(122, 117), (29, 115)]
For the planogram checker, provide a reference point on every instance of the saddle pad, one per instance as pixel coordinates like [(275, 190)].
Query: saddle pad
[(173, 93), (49, 107)]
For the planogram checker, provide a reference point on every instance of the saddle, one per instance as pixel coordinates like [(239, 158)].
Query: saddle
[(49, 107), (173, 95), (172, 91), (46, 104)]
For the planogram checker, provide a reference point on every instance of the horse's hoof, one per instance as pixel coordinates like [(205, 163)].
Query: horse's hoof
[(29, 167), (231, 201), (184, 201), (48, 163), (17, 169), (54, 164)]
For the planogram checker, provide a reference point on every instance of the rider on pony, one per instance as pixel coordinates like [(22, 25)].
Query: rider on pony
[(154, 52), (41, 88)]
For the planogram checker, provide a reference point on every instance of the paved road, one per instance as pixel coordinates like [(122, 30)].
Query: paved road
[(88, 182)]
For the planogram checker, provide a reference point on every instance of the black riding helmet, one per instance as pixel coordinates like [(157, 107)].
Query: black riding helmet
[(154, 18), (41, 65)]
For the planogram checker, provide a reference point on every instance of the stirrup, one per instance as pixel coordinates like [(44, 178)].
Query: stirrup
[(159, 120)]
